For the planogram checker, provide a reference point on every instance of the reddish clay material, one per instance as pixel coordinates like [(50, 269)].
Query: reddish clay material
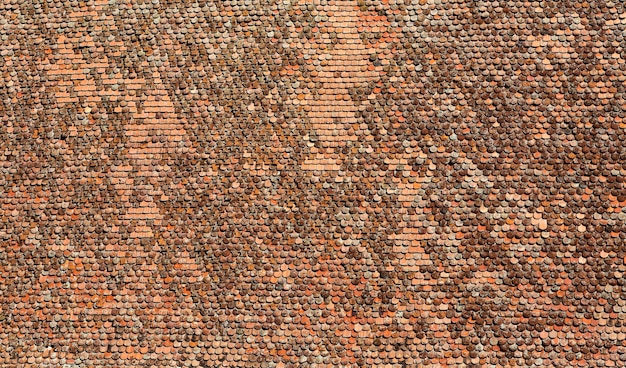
[(312, 183)]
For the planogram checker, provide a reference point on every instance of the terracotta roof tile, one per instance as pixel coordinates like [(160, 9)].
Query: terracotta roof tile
[(312, 183)]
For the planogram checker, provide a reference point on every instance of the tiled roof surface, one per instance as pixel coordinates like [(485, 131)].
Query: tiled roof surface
[(312, 183)]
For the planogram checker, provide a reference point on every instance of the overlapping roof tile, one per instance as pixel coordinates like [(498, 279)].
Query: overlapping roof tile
[(312, 183)]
